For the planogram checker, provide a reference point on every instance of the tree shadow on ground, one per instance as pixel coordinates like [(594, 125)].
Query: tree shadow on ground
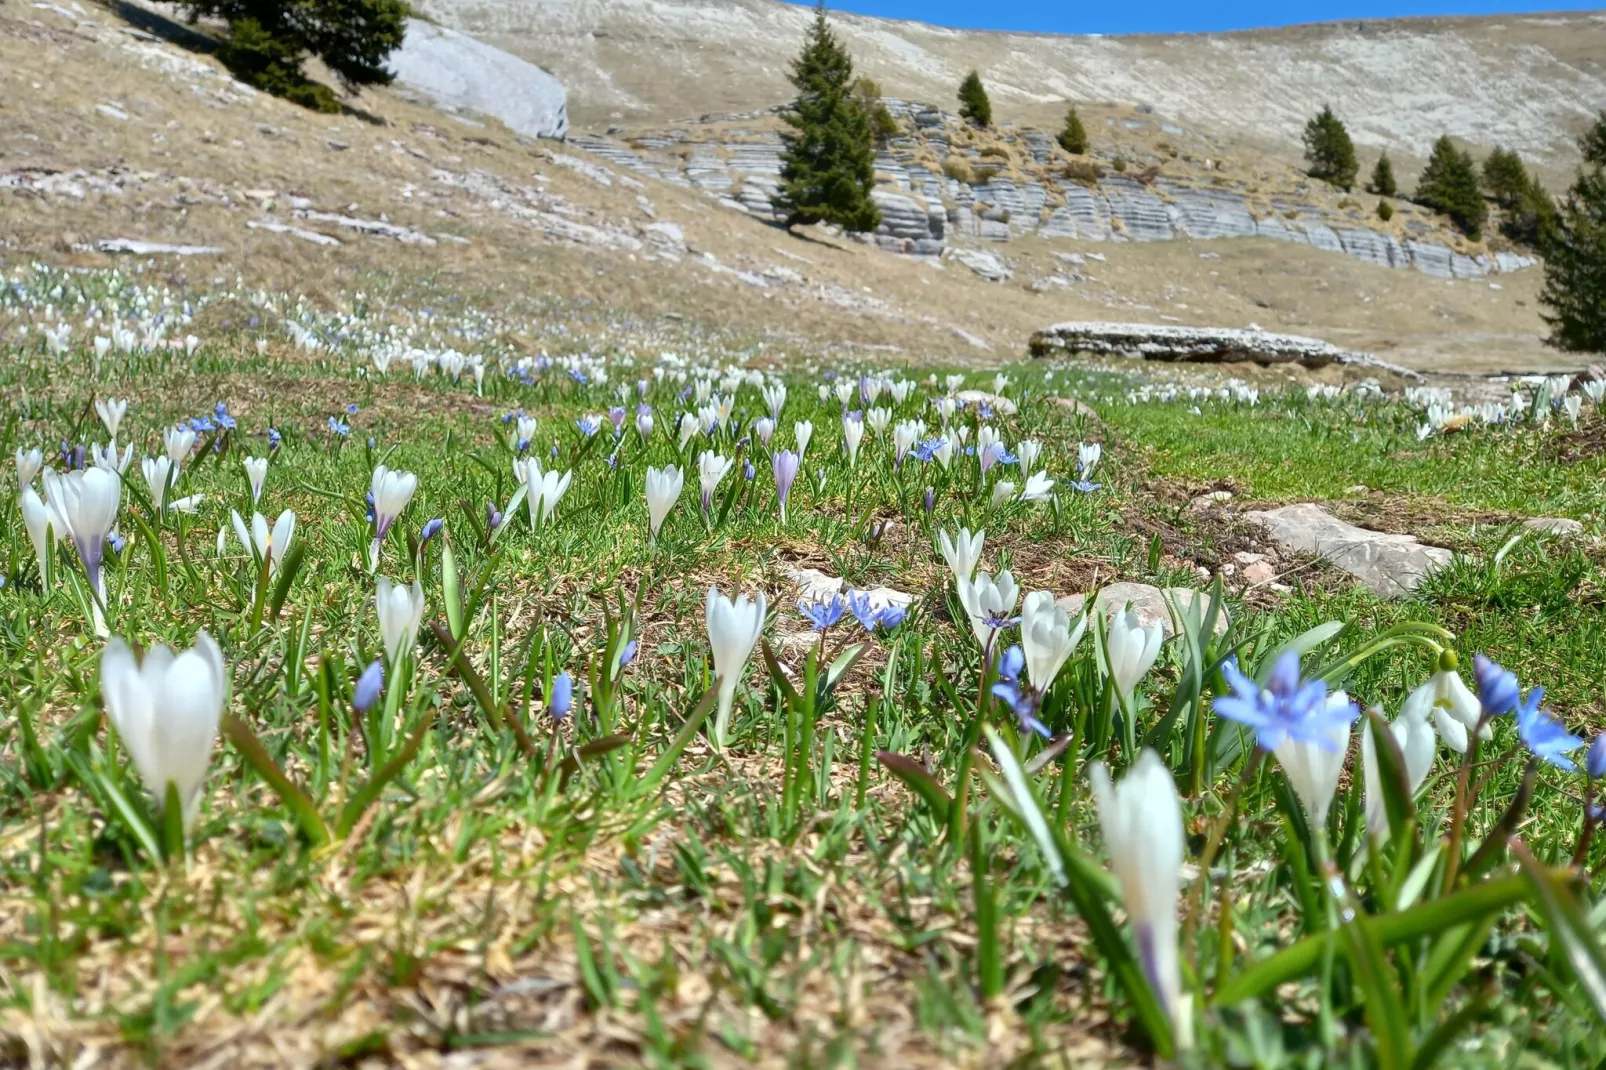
[(191, 39)]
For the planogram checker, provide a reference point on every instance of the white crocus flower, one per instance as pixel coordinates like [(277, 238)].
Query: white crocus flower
[(1087, 458), (852, 436), (256, 471), (733, 631), (87, 503), (543, 491), (159, 475), (687, 429), (803, 430), (391, 490), (999, 382), (1413, 732), (774, 397), (110, 411), (663, 491), (1313, 769), (904, 436), (962, 552), (844, 391), (1131, 648), (29, 464), (269, 545), (1038, 486), (989, 603), (401, 611), (711, 469), (179, 442), (1141, 819), (878, 419), (109, 458), (44, 527), (1028, 452), (1003, 491), (166, 709), (1047, 637)]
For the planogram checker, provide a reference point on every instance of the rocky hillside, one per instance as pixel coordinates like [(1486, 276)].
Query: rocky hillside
[(1528, 82), (122, 140), (944, 186)]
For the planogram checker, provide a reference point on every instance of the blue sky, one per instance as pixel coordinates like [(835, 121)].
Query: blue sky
[(1174, 16)]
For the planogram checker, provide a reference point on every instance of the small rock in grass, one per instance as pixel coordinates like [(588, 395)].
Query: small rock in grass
[(1147, 601), (1559, 526)]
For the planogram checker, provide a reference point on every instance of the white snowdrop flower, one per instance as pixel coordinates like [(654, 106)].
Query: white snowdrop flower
[(1414, 734)]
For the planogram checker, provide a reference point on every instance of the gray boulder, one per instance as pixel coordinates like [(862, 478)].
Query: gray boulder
[(1391, 566), (458, 71)]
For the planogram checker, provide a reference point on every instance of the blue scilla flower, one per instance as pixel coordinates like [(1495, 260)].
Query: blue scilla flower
[(1543, 734), (823, 614), (224, 420), (370, 685), (928, 449), (1287, 707), (588, 425), (867, 615), (1023, 702), (1086, 486), (274, 438), (351, 410), (339, 428), (562, 697), (627, 653), (431, 529), (1497, 687), (1595, 758)]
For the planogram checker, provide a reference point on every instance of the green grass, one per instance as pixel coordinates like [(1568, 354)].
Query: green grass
[(613, 884)]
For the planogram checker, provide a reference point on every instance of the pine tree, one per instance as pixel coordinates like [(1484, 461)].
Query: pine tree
[(269, 39), (1574, 294), (828, 165), (867, 92), (1382, 182), (1073, 137), (973, 102), (1505, 177), (1449, 184), (1329, 151)]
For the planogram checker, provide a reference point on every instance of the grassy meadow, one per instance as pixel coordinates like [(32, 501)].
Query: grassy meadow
[(458, 774)]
